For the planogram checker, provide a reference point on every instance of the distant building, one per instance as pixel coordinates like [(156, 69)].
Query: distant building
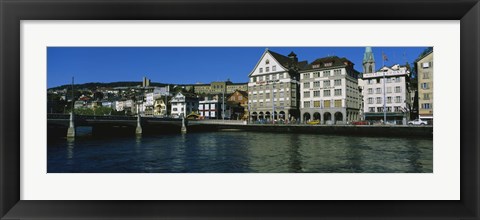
[(183, 104), (329, 91), (145, 82), (226, 87), (273, 87), (425, 86)]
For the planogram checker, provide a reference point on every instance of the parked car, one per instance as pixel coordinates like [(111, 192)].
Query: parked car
[(417, 122), (360, 123)]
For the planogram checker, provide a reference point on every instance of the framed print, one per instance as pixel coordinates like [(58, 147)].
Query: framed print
[(46, 43)]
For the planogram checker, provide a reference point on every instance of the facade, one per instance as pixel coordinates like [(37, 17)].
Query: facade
[(160, 107), (329, 91), (389, 88), (425, 86), (210, 108), (183, 104), (273, 87)]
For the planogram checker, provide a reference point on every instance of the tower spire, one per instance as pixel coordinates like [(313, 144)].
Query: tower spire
[(368, 61)]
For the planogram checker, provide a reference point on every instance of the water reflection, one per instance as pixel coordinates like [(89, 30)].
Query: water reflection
[(240, 152)]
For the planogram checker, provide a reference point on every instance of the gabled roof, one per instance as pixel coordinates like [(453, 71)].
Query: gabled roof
[(284, 61)]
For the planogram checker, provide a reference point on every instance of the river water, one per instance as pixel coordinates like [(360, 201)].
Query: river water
[(240, 152)]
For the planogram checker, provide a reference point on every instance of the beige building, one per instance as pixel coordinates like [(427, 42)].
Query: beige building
[(425, 86), (329, 91)]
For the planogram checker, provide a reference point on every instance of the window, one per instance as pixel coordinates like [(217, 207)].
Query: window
[(240, 98), (316, 104), (426, 106), (328, 64), (337, 82), (389, 80), (426, 96), (399, 79), (306, 85), (378, 90), (379, 100), (315, 65), (316, 93), (371, 109), (267, 95), (338, 103), (397, 99), (326, 103), (398, 89), (267, 69), (337, 72), (261, 104), (370, 90), (389, 109), (424, 85), (398, 109), (425, 65), (316, 84), (370, 100), (267, 61), (306, 94), (338, 92), (306, 104), (378, 80), (326, 83), (326, 92), (389, 89), (260, 70), (426, 75), (282, 94), (379, 109), (389, 99), (326, 73), (316, 74), (274, 68)]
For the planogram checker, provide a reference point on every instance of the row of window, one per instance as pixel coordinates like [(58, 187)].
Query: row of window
[(388, 80), (267, 69), (325, 73), (260, 104), (387, 109), (323, 104), (281, 94), (326, 83), (398, 89), (398, 99), (326, 93), (268, 77), (426, 106)]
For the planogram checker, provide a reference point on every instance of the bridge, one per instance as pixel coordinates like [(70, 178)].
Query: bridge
[(59, 123)]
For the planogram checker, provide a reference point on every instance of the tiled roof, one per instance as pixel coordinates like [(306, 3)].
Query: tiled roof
[(336, 62)]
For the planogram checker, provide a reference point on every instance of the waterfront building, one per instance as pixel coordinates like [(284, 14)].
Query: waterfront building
[(151, 97), (238, 102), (183, 103), (210, 108), (425, 86), (160, 107), (329, 91), (273, 87), (387, 90)]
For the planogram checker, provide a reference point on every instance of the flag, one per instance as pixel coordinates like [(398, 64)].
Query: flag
[(384, 57)]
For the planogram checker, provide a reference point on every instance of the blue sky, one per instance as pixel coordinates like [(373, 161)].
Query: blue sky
[(185, 65)]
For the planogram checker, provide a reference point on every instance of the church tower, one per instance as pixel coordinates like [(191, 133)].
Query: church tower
[(368, 61)]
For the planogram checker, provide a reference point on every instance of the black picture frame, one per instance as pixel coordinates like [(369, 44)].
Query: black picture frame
[(13, 11)]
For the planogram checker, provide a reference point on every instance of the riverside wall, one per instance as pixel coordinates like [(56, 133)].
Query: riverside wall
[(352, 130)]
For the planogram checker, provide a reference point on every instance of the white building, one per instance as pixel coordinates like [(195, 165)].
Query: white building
[(183, 104), (387, 87), (329, 91), (273, 87)]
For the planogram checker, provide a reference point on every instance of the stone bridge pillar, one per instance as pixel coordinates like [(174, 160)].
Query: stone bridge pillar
[(184, 128), (138, 130), (71, 128)]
